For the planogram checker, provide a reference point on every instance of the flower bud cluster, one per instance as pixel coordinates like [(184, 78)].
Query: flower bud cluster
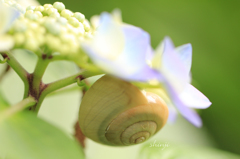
[(51, 28)]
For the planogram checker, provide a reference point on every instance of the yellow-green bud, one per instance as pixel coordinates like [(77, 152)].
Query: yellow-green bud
[(34, 26), (80, 17), (86, 25), (30, 8), (19, 39), (55, 15), (47, 6), (31, 15), (19, 26), (51, 10), (74, 22), (31, 44), (39, 8), (59, 6), (52, 42), (39, 14), (66, 13), (52, 26), (62, 21), (67, 38), (88, 35)]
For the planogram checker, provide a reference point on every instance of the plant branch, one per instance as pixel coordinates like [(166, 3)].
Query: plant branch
[(38, 73), (51, 87), (29, 101), (16, 66)]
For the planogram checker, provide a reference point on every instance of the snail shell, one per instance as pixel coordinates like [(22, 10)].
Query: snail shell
[(115, 112)]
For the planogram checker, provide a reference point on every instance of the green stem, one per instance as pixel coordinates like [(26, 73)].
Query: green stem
[(16, 66), (29, 101), (51, 87), (38, 73)]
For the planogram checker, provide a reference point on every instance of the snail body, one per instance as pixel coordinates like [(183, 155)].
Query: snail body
[(115, 112)]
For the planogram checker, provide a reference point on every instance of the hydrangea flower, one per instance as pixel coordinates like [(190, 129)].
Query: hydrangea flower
[(8, 15), (120, 49), (124, 51), (175, 65)]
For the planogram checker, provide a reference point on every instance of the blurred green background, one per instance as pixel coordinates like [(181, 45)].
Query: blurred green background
[(212, 27)]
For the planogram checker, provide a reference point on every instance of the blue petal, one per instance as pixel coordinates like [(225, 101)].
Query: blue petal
[(194, 98), (173, 67), (186, 112), (137, 48), (185, 54), (172, 113), (121, 50)]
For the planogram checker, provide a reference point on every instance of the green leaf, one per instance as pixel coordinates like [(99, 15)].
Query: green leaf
[(165, 150), (25, 136), (3, 102)]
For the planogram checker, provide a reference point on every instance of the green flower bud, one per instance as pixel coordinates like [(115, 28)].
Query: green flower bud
[(40, 39), (31, 15), (51, 10), (88, 35), (62, 21), (19, 26), (66, 13), (55, 15), (39, 14), (47, 6), (67, 38), (52, 42), (31, 44), (80, 17), (86, 25), (19, 39), (59, 6), (30, 8), (39, 8), (52, 26), (74, 22)]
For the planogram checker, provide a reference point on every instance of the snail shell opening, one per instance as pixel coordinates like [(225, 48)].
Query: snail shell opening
[(115, 112)]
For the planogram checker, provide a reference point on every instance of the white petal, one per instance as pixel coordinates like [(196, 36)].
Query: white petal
[(194, 98), (185, 53), (173, 68), (109, 38), (8, 15), (6, 43)]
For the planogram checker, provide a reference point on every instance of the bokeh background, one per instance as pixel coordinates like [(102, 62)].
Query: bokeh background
[(212, 27)]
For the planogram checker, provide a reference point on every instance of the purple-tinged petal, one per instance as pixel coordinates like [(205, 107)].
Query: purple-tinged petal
[(173, 68), (144, 74), (121, 50), (136, 48), (172, 113), (194, 98), (185, 54), (186, 112)]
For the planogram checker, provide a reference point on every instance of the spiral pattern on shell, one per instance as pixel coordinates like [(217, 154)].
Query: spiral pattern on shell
[(115, 112)]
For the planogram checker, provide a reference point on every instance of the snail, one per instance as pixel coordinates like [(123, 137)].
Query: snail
[(115, 112)]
